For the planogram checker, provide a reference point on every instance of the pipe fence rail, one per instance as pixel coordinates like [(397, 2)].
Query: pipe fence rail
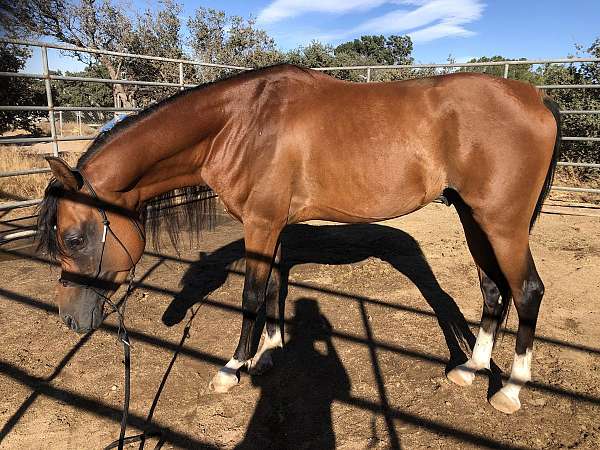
[(55, 137)]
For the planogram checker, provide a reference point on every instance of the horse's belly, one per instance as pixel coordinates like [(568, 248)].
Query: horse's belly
[(359, 201)]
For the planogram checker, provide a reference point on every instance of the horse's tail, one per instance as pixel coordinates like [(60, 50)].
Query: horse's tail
[(554, 109)]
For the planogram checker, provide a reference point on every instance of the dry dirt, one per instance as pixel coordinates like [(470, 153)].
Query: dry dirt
[(365, 357)]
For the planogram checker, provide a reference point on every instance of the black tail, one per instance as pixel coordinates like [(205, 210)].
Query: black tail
[(553, 107)]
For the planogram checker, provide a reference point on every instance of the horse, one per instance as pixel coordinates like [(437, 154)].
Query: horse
[(283, 145)]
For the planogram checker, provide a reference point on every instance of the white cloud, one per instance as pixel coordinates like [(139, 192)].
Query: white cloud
[(285, 9), (423, 20), (432, 19)]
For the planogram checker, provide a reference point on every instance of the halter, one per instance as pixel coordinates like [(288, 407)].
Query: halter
[(122, 333)]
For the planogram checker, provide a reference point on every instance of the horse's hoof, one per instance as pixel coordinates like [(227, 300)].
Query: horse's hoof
[(262, 365), (224, 380), (462, 375), (504, 403)]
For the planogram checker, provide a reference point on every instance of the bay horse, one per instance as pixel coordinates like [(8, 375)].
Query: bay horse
[(283, 145)]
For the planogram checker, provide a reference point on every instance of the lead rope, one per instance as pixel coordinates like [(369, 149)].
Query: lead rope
[(124, 337), (122, 332)]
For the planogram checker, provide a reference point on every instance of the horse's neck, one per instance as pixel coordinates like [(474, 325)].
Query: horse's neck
[(160, 152)]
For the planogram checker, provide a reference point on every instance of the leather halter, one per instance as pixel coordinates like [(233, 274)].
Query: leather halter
[(89, 284), (106, 229)]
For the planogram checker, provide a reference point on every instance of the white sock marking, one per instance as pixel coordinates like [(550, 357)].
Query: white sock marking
[(232, 365), (269, 343), (482, 352), (519, 375)]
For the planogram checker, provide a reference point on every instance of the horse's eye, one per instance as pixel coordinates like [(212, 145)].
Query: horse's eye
[(75, 242)]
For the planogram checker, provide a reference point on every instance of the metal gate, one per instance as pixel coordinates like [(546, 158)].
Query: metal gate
[(55, 112)]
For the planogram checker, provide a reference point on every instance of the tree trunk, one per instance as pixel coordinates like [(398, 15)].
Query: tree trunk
[(122, 100)]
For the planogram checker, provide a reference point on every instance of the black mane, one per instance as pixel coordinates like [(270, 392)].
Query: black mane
[(46, 221)]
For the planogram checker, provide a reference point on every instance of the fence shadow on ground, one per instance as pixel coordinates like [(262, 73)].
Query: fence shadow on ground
[(302, 244), (334, 245)]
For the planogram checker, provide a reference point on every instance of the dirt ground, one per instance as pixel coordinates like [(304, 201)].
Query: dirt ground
[(371, 315)]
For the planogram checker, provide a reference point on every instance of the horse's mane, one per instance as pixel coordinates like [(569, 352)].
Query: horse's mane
[(46, 221), (190, 209)]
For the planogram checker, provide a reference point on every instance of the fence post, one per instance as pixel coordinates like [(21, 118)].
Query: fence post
[(49, 99), (181, 86), (368, 74), (60, 121), (505, 70)]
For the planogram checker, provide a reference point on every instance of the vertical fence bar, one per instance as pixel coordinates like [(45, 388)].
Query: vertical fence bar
[(505, 70), (49, 99), (181, 84), (368, 74), (60, 121)]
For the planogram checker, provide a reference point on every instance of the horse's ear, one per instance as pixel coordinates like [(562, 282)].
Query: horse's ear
[(68, 177)]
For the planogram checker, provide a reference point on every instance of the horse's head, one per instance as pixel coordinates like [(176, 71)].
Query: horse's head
[(96, 238)]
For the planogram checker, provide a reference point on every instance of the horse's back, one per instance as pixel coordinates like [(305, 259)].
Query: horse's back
[(364, 152)]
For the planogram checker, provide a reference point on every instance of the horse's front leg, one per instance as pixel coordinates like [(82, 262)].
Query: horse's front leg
[(262, 361), (261, 244)]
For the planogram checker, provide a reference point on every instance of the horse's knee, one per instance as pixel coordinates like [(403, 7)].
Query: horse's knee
[(251, 300), (491, 296), (528, 303)]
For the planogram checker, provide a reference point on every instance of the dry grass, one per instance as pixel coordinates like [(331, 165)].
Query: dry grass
[(69, 129), (580, 178), (25, 187)]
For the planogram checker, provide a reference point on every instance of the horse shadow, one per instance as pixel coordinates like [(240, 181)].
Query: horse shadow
[(304, 244), (277, 414), (294, 408)]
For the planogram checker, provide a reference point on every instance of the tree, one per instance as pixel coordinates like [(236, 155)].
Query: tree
[(522, 72), (19, 91), (373, 50), (315, 54), (577, 99), (104, 24), (156, 34), (365, 51), (87, 23), (76, 93), (218, 38)]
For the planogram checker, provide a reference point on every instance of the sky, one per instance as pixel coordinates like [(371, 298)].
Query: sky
[(463, 29)]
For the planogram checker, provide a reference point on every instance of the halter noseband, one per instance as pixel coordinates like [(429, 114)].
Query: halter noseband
[(81, 281)]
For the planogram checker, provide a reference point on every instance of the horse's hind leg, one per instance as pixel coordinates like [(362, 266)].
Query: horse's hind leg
[(491, 318), (527, 289), (504, 255), (495, 298)]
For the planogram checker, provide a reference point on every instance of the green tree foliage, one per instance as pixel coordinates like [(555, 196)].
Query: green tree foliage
[(377, 50), (587, 125), (99, 24), (19, 91), (367, 50), (522, 72), (105, 24), (156, 34), (76, 93), (217, 38)]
